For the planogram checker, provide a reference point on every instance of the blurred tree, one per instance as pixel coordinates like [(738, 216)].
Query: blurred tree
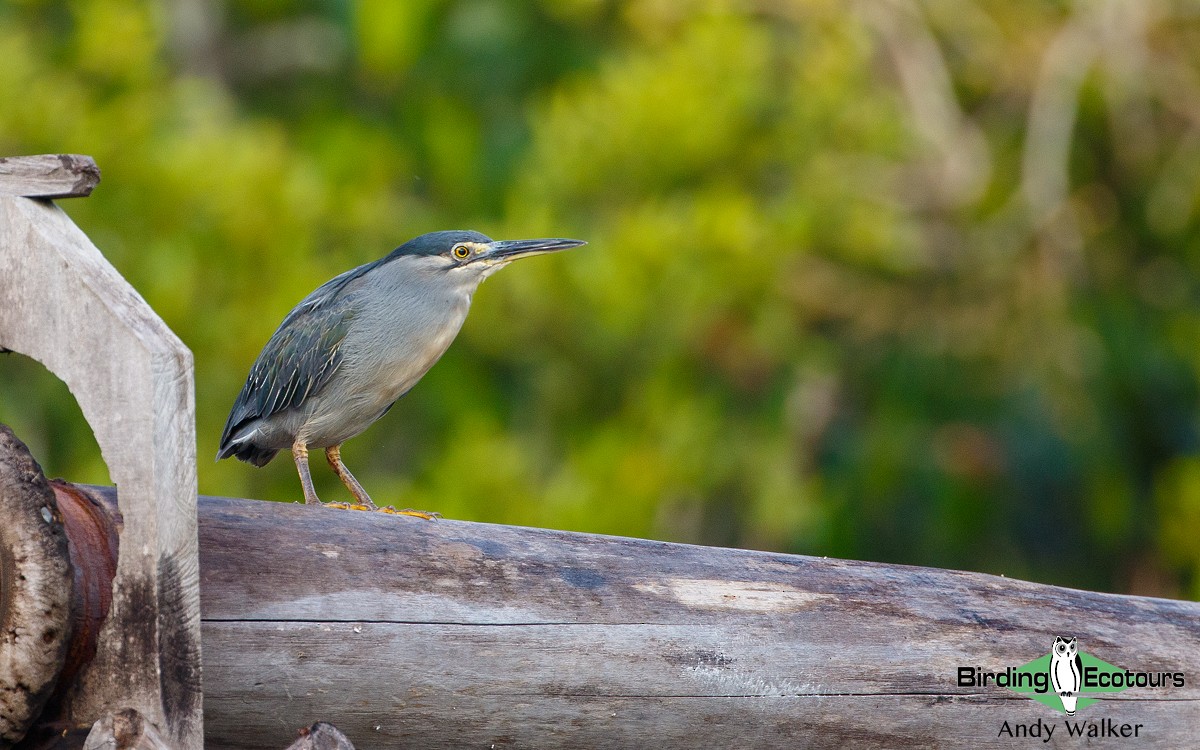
[(911, 281)]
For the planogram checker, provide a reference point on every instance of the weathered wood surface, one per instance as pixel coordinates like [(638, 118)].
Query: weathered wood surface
[(129, 730), (62, 304), (409, 633), (48, 176), (35, 590), (125, 730)]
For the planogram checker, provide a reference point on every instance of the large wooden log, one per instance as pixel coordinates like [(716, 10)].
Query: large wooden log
[(409, 633), (446, 634)]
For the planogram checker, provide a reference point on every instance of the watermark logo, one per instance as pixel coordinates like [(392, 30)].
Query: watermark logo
[(1067, 679)]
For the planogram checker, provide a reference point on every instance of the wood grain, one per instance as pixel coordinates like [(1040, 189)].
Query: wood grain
[(48, 176), (408, 633), (65, 306)]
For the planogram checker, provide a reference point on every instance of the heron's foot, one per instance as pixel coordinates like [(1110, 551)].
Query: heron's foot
[(349, 506), (428, 515), (362, 501)]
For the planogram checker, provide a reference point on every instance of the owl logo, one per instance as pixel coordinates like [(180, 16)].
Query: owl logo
[(1066, 672)]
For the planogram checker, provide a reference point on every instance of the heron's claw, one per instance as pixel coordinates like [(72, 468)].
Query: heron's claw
[(349, 506), (428, 515)]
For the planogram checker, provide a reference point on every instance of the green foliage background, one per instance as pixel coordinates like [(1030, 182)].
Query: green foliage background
[(900, 281)]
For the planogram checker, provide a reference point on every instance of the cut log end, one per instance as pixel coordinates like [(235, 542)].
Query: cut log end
[(35, 589), (48, 176)]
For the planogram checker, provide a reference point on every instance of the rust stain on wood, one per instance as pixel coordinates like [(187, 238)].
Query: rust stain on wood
[(92, 528)]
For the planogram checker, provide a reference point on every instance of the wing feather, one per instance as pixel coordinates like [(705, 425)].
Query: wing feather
[(298, 360)]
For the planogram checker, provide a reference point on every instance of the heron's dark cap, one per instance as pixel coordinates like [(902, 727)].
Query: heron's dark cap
[(436, 243)]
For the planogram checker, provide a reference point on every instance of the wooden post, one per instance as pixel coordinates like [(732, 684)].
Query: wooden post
[(62, 304)]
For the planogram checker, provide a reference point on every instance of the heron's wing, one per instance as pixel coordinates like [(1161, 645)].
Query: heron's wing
[(300, 357)]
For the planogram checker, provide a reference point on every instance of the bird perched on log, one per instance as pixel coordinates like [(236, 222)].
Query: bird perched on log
[(359, 342)]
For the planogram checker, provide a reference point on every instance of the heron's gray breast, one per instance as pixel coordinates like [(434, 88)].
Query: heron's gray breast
[(401, 327), (388, 356)]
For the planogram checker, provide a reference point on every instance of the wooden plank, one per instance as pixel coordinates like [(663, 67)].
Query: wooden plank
[(48, 176), (65, 306), (407, 633)]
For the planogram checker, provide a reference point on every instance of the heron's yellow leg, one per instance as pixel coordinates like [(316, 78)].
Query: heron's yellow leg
[(300, 456), (334, 455)]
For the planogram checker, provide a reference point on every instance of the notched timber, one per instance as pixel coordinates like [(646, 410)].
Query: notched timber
[(48, 176), (67, 308)]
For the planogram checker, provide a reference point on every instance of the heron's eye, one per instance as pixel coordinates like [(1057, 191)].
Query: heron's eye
[(461, 251)]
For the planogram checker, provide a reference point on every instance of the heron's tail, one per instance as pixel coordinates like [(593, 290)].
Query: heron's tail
[(246, 451)]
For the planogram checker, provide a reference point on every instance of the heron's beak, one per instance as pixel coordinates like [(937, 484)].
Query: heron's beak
[(503, 251)]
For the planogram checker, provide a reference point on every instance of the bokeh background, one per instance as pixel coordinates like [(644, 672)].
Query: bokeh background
[(910, 281)]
